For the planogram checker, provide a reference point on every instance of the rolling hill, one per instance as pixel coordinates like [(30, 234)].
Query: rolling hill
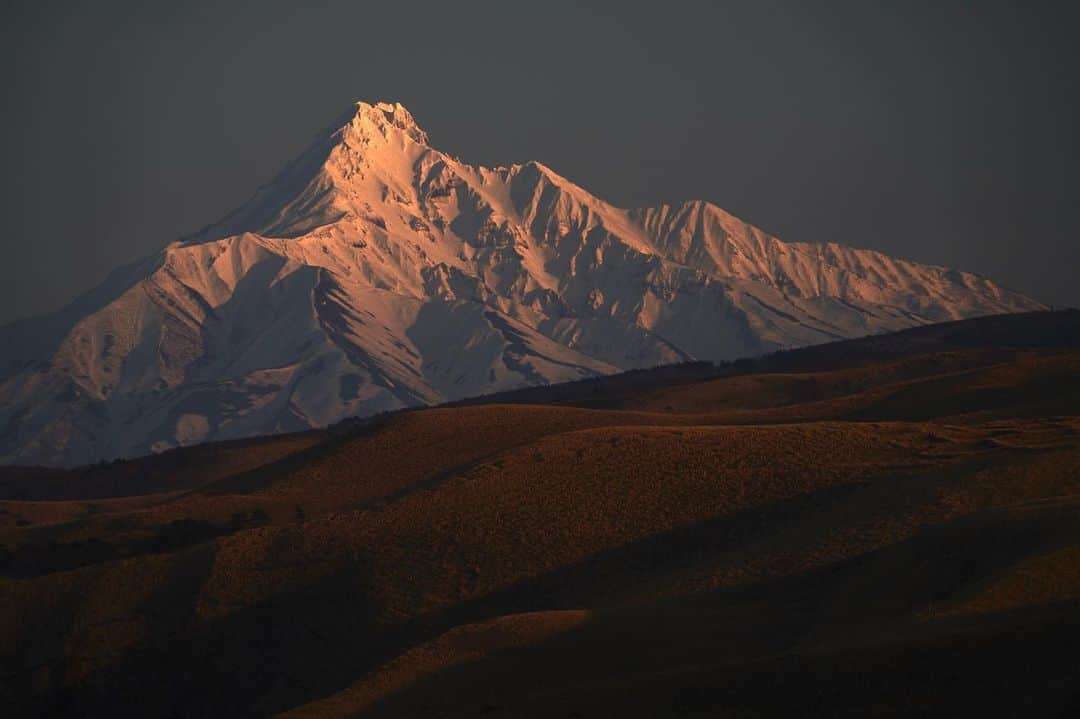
[(885, 525)]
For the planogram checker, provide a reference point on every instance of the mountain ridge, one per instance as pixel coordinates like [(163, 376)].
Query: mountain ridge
[(376, 272)]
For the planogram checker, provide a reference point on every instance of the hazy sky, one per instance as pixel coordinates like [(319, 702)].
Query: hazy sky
[(944, 132)]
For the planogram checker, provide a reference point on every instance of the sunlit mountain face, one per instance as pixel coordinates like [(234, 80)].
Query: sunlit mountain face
[(376, 272)]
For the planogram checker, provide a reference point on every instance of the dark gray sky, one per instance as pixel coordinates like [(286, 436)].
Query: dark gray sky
[(944, 132)]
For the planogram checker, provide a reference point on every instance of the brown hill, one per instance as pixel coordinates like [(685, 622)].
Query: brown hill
[(886, 525)]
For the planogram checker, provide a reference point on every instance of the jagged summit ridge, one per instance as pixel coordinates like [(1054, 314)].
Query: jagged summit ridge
[(377, 272), (396, 114)]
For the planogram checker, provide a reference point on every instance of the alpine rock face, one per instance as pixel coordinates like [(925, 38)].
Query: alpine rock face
[(376, 272)]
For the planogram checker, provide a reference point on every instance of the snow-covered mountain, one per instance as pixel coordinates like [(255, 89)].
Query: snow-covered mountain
[(376, 272)]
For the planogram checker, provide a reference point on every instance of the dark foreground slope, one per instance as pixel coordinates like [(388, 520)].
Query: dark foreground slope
[(884, 526)]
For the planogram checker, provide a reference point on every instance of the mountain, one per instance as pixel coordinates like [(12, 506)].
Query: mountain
[(376, 272)]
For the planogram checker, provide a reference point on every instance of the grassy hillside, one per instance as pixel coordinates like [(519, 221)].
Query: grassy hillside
[(886, 525)]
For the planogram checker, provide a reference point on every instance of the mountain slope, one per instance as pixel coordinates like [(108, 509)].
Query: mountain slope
[(376, 272)]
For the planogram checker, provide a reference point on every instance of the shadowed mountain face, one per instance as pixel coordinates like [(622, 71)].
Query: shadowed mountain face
[(883, 526), (376, 272)]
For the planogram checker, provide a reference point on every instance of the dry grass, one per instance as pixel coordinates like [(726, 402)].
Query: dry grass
[(798, 528), (458, 646)]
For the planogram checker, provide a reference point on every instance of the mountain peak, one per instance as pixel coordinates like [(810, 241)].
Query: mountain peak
[(375, 272), (391, 114)]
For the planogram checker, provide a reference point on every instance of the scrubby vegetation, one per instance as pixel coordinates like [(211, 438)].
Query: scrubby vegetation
[(890, 527)]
